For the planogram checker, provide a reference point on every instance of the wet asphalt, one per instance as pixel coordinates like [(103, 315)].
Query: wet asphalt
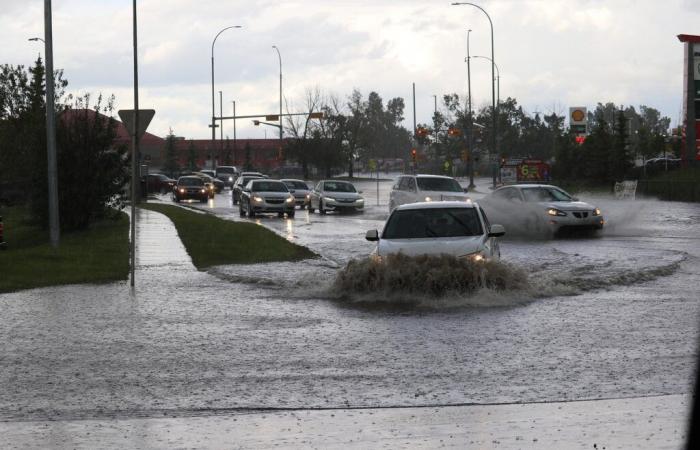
[(610, 317)]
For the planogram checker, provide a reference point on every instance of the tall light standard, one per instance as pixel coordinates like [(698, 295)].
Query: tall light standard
[(280, 59), (498, 79), (213, 112), (234, 133), (470, 156), (54, 227), (493, 82)]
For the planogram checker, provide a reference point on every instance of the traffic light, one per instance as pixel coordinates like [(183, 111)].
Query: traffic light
[(414, 154), (454, 131), (421, 131)]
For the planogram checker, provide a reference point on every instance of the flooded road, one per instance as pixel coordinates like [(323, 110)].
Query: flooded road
[(608, 317)]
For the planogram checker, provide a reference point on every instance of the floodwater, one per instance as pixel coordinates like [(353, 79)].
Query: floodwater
[(606, 317)]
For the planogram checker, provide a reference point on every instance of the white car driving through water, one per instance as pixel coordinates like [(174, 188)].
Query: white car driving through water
[(425, 188), (540, 209), (460, 229)]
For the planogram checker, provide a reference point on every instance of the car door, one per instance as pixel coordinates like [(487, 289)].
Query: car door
[(491, 246), (314, 199)]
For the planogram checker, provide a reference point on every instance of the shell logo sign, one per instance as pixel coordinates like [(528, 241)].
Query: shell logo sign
[(578, 119)]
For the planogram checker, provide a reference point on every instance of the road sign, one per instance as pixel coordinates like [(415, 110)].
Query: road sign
[(316, 115), (372, 165), (128, 119), (273, 117)]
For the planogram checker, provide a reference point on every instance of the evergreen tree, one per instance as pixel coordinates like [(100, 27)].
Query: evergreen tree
[(170, 165), (620, 154)]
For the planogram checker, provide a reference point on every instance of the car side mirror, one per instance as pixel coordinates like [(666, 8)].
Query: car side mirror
[(372, 235), (497, 230), (466, 189), (291, 191), (359, 192)]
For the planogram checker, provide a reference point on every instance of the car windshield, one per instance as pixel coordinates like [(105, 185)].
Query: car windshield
[(296, 185), (438, 184), (269, 186), (190, 181), (334, 186), (245, 180), (541, 194), (220, 170), (432, 223)]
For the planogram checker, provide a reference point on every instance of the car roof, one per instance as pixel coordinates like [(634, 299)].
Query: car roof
[(436, 205), (292, 179), (421, 175), (194, 177), (335, 181)]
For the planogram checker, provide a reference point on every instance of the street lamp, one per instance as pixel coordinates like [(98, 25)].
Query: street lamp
[(498, 78), (213, 112), (280, 59), (493, 79), (470, 156), (37, 39)]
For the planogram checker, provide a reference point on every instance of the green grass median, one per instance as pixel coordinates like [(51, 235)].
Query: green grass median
[(99, 254), (211, 241)]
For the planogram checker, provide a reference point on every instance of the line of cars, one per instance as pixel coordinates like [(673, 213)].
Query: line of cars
[(433, 215)]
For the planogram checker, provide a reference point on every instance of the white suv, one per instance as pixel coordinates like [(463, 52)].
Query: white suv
[(425, 188)]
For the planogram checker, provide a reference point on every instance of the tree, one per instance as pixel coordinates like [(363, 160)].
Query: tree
[(170, 165), (620, 160)]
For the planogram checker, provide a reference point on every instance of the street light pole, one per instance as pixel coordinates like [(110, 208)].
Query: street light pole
[(493, 84), (498, 79), (234, 132), (470, 156), (213, 112), (54, 228), (221, 127), (279, 56)]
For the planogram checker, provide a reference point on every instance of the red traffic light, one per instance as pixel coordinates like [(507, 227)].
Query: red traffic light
[(454, 131), (580, 139), (414, 154), (420, 131)]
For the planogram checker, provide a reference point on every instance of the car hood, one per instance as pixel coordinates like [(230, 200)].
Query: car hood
[(350, 195), (568, 206), (271, 194), (455, 246)]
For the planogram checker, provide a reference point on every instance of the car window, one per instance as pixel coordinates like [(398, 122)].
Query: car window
[(411, 184), (296, 185), (319, 186), (487, 224), (502, 193), (190, 182), (432, 223), (541, 194), (438, 184), (337, 186), (268, 186), (403, 184)]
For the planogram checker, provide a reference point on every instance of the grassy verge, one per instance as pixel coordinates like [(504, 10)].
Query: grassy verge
[(97, 255), (212, 241)]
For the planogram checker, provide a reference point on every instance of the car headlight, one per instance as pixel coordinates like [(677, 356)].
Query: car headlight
[(230, 178), (475, 257), (182, 191), (596, 212), (330, 199), (428, 199), (203, 191), (257, 199), (290, 199), (308, 196), (360, 200), (555, 212)]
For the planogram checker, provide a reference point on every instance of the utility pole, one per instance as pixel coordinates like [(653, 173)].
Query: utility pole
[(54, 228), (414, 122)]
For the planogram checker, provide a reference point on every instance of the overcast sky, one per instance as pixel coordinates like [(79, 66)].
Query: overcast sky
[(552, 54)]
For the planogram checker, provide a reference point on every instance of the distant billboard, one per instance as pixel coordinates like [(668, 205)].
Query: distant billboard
[(578, 119)]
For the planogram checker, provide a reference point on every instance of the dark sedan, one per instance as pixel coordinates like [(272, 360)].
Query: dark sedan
[(158, 182), (190, 188)]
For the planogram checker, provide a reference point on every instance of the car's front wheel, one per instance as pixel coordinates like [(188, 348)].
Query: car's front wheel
[(290, 214)]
